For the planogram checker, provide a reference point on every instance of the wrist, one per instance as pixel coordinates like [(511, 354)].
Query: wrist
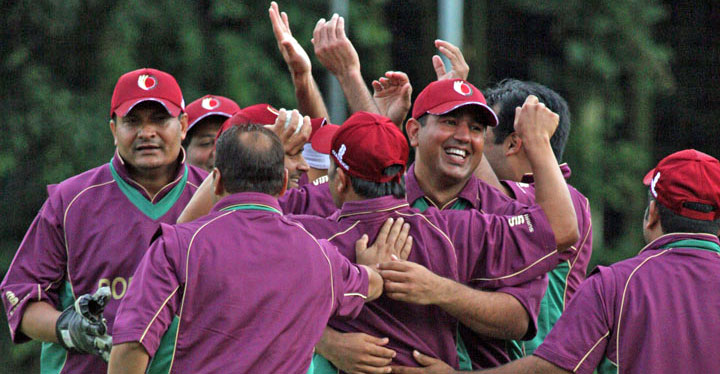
[(351, 74), (301, 79), (328, 339), (443, 294)]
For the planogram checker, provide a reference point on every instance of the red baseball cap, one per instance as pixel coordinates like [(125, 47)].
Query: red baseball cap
[(444, 96), (263, 114), (210, 105), (146, 85), (684, 177), (365, 145)]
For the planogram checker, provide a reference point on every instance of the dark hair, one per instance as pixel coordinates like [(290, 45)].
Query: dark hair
[(250, 159), (369, 189), (671, 222), (511, 93)]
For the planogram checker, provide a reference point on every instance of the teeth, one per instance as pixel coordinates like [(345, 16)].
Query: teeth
[(455, 151)]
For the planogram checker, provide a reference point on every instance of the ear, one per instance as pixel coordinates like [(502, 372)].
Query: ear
[(112, 130), (653, 216), (183, 125), (512, 144), (342, 181), (412, 126), (218, 187), (285, 183)]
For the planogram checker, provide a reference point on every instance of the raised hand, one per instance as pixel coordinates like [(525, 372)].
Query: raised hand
[(293, 130), (460, 68), (294, 55), (534, 121), (392, 95), (332, 47)]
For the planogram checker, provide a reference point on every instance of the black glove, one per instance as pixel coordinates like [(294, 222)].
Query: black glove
[(81, 328)]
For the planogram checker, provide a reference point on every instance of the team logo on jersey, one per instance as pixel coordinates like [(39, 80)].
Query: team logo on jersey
[(462, 88), (653, 183), (210, 103), (523, 219), (147, 82), (339, 156), (10, 296)]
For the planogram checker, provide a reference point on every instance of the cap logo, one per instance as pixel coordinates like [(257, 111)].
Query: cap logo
[(339, 156), (653, 183), (210, 103), (147, 82), (462, 88)]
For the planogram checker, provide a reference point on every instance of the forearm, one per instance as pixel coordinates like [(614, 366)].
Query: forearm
[(325, 345), (492, 314), (551, 191), (309, 99), (39, 321), (128, 358), (356, 92)]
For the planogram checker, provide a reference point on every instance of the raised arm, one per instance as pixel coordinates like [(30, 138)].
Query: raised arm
[(335, 51), (535, 124), (307, 93), (392, 96), (460, 68)]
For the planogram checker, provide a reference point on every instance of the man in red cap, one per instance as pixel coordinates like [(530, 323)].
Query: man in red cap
[(368, 156), (655, 312), (205, 116), (94, 227)]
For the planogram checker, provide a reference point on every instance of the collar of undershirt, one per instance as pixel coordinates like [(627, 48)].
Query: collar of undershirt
[(704, 245), (251, 207)]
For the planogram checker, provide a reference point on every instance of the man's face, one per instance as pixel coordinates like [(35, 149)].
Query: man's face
[(201, 150), (148, 137), (451, 145), (296, 166)]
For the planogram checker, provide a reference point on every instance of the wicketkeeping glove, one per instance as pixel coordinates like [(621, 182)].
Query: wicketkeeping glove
[(81, 327)]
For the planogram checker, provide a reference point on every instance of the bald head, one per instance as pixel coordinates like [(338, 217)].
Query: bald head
[(250, 158)]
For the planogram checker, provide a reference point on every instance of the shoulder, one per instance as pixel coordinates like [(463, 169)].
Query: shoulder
[(74, 186), (196, 175)]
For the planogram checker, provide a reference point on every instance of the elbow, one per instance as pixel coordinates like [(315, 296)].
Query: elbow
[(567, 237)]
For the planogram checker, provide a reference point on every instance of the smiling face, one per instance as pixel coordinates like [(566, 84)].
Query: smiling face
[(296, 166), (148, 137), (450, 146)]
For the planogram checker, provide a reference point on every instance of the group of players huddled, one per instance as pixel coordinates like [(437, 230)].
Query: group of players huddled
[(221, 239)]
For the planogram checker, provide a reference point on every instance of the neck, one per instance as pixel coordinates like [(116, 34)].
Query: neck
[(434, 188), (153, 180)]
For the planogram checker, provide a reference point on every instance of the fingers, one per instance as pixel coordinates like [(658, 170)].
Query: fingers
[(402, 238), (340, 29), (330, 29), (384, 231), (361, 244), (275, 21), (438, 66), (394, 234), (318, 32), (377, 87), (422, 359), (286, 22), (406, 249)]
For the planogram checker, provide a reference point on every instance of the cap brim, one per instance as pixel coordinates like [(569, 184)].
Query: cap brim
[(322, 139), (448, 107), (206, 115), (648, 177), (123, 109)]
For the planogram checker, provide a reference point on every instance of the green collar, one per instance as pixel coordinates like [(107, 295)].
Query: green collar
[(251, 207), (422, 205), (154, 211), (704, 245)]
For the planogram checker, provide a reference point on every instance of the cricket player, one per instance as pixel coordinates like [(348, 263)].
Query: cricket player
[(94, 228), (652, 313), (205, 116), (368, 153), (243, 300), (506, 154)]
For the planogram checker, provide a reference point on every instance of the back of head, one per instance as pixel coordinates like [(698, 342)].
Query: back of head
[(686, 188), (250, 159), (511, 93), (372, 151)]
